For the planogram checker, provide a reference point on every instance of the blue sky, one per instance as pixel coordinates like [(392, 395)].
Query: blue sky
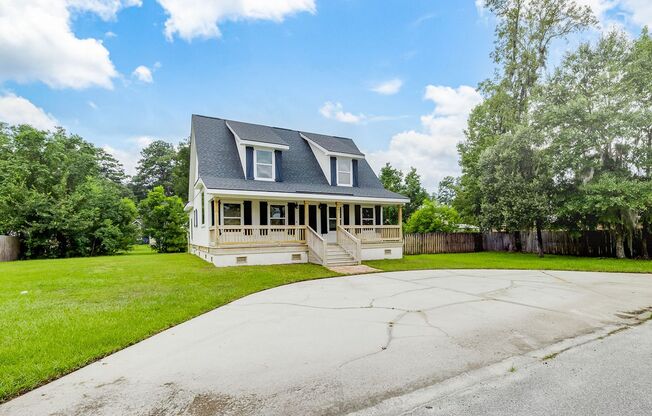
[(398, 76)]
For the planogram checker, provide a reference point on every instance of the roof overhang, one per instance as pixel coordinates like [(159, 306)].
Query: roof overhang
[(301, 196)]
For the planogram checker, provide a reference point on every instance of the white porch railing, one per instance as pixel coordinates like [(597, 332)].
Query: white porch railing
[(317, 246), (259, 234), (349, 243), (375, 233)]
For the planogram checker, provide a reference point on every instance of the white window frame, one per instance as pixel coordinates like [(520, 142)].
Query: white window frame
[(273, 164), (269, 214), (350, 172), (224, 217), (373, 215)]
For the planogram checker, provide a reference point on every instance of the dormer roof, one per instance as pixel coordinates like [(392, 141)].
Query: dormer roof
[(256, 134), (333, 144)]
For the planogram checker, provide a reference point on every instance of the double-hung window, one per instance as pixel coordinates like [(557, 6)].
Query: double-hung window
[(264, 164), (344, 171), (367, 216), (277, 215), (232, 214)]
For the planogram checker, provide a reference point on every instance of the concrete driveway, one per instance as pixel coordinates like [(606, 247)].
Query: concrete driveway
[(341, 345)]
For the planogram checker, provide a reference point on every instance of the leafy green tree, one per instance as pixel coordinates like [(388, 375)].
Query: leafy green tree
[(392, 180), (181, 171), (415, 191), (155, 168), (447, 190), (638, 80), (614, 202), (432, 217), (164, 220), (524, 34), (516, 183), (55, 197)]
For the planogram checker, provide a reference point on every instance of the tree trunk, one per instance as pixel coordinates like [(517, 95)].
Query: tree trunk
[(644, 236), (620, 244), (539, 238)]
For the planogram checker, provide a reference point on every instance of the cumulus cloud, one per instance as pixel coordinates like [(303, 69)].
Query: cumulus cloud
[(335, 111), (389, 87), (16, 110), (38, 44), (200, 18), (432, 150), (129, 155), (143, 74)]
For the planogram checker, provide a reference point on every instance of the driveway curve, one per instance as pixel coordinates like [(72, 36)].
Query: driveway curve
[(339, 345)]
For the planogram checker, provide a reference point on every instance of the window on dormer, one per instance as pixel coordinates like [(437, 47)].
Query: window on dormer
[(264, 164), (344, 171)]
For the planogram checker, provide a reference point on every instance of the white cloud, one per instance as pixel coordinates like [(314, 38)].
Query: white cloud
[(335, 111), (143, 74), (433, 149), (200, 18), (16, 110), (38, 44), (390, 87), (130, 155)]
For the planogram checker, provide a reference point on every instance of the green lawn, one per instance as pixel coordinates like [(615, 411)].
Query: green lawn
[(58, 315), (78, 310), (494, 260)]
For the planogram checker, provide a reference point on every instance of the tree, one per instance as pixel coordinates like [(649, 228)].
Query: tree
[(524, 34), (638, 80), (415, 191), (164, 220), (155, 169), (392, 180), (181, 171), (55, 198), (586, 114), (516, 184), (432, 217), (447, 190), (614, 202)]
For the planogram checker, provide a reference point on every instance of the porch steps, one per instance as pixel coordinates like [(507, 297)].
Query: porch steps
[(337, 256)]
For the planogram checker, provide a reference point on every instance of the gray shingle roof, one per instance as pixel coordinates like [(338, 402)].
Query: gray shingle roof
[(220, 168), (255, 133), (334, 144)]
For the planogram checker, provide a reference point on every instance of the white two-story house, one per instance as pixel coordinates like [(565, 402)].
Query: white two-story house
[(269, 195)]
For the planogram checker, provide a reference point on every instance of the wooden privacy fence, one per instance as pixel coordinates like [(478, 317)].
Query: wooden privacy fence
[(586, 244), (9, 248), (442, 243)]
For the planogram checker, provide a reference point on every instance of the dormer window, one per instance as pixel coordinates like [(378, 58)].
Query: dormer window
[(344, 171), (264, 163)]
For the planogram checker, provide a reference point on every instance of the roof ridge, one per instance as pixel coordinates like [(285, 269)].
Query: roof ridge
[(272, 127)]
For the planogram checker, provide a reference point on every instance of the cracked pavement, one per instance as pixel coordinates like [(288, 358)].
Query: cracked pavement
[(340, 345)]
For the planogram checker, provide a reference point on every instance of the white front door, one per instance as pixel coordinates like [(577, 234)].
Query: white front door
[(331, 237)]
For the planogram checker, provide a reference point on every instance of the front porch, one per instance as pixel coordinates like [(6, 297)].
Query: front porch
[(322, 232)]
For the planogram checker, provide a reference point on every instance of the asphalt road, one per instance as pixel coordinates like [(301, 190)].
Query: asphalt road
[(610, 376), (377, 344)]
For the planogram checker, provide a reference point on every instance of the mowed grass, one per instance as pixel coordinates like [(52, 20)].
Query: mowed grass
[(521, 261), (59, 315)]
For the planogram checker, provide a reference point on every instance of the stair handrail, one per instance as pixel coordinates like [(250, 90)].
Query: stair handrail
[(345, 240), (317, 244)]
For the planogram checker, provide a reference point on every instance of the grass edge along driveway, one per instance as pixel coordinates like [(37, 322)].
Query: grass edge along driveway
[(59, 315)]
